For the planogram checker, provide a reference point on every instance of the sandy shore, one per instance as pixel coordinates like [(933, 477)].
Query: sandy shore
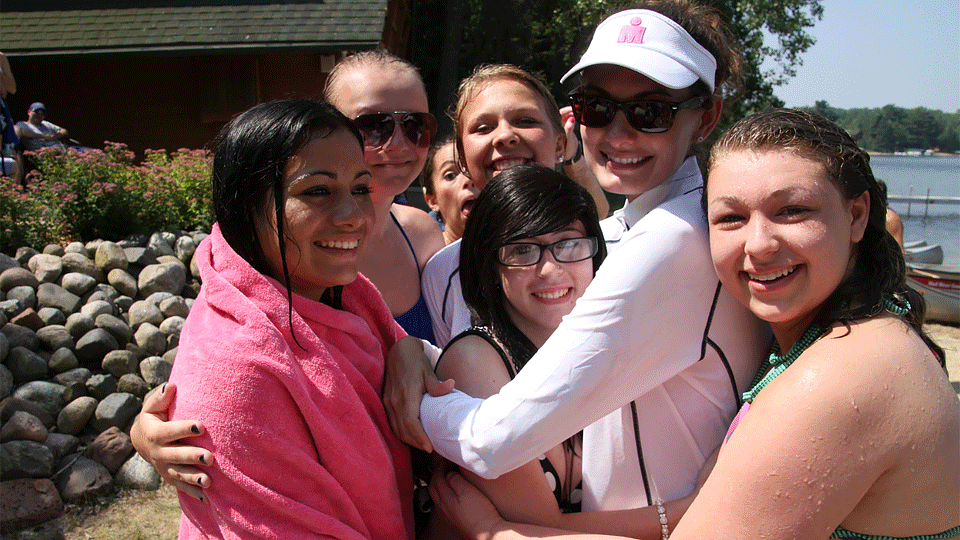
[(948, 337)]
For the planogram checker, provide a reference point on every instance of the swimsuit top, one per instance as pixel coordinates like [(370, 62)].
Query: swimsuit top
[(567, 505), (416, 321), (779, 364)]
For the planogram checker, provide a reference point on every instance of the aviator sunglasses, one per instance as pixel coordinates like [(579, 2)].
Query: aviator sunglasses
[(377, 128), (567, 250), (646, 116)]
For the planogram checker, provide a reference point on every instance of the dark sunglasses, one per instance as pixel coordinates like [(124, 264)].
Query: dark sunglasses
[(566, 251), (377, 128), (645, 115)]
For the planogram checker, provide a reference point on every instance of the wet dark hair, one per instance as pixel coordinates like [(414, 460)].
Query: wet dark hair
[(521, 202), (879, 269), (249, 158)]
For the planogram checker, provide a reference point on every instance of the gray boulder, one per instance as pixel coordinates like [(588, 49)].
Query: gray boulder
[(48, 395), (138, 474), (52, 315), (53, 337), (54, 249), (75, 262), (117, 327), (53, 295), (26, 365), (24, 254), (149, 338), (47, 268), (75, 416), (123, 282), (25, 459), (116, 410), (76, 247), (94, 345), (167, 277), (95, 308), (6, 382), (120, 362), (18, 277), (25, 294), (20, 336), (144, 312), (81, 478), (79, 324), (102, 291), (155, 370), (131, 383), (101, 385), (63, 360), (61, 444), (76, 375), (110, 256), (77, 283)]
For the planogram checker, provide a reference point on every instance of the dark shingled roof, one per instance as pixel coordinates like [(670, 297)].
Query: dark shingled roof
[(332, 25)]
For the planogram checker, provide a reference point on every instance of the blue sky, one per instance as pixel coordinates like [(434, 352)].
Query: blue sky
[(871, 53)]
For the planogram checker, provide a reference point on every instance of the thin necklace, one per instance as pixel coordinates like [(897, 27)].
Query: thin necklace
[(778, 363)]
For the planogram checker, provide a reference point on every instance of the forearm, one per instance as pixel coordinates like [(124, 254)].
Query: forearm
[(641, 523), (580, 173)]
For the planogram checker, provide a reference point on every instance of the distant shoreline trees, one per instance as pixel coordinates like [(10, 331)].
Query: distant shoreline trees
[(895, 129)]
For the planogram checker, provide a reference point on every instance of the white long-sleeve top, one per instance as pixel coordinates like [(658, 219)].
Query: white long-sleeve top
[(653, 333)]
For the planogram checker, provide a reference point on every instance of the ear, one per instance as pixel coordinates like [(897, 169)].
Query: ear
[(431, 201), (860, 212), (710, 117)]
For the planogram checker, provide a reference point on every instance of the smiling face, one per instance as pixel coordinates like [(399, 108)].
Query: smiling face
[(453, 193), (629, 162), (328, 214), (538, 296), (505, 123), (782, 235), (368, 88)]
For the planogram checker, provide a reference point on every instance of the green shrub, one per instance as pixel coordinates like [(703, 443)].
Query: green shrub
[(81, 196)]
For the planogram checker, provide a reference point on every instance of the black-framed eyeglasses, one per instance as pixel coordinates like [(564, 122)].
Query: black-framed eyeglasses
[(647, 116), (377, 128), (567, 250)]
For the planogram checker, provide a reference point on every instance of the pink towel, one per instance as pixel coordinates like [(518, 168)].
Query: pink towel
[(301, 442)]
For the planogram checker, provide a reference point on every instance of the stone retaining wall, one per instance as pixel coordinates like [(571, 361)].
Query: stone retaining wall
[(85, 332)]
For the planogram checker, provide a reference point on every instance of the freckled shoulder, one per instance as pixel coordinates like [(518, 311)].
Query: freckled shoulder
[(422, 230)]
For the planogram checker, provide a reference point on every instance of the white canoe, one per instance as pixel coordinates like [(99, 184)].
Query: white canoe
[(940, 287)]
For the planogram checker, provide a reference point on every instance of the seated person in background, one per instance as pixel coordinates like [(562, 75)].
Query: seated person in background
[(894, 223), (9, 143), (36, 132)]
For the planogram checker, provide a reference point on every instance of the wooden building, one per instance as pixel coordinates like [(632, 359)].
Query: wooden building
[(168, 74)]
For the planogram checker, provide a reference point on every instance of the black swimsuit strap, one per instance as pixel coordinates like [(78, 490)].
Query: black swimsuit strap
[(485, 334)]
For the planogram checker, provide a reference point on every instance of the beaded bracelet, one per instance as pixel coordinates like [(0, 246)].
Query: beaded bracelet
[(664, 527)]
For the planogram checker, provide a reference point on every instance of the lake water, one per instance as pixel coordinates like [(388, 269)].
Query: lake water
[(935, 223)]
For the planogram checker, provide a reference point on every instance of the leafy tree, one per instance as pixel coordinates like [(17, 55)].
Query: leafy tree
[(892, 128), (547, 36)]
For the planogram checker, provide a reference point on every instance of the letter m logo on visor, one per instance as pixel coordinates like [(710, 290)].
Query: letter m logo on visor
[(632, 33)]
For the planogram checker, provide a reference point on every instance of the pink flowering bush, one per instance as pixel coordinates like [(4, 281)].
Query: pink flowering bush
[(73, 195)]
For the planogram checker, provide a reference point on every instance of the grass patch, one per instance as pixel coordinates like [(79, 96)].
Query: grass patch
[(125, 515)]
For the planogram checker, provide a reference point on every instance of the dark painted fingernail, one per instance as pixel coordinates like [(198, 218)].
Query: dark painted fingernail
[(195, 429), (203, 499), (163, 388), (202, 460)]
